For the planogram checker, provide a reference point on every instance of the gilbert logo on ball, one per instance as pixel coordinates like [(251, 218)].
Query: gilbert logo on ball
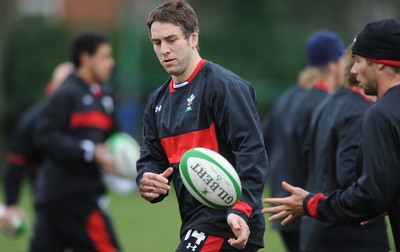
[(126, 151), (210, 178)]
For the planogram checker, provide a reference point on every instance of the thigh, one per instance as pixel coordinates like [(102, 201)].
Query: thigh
[(90, 229), (291, 240), (196, 241), (45, 236)]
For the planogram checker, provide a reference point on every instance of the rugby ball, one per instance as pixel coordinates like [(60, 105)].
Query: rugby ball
[(210, 178), (17, 225), (125, 151)]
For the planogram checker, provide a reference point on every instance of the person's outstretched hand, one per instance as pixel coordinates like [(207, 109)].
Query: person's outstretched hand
[(288, 208)]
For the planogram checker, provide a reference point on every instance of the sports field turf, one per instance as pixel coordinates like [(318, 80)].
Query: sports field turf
[(140, 226)]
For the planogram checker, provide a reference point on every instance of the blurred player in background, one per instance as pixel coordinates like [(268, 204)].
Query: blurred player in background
[(286, 125), (332, 142), (278, 129), (24, 157), (201, 105), (377, 67), (71, 210)]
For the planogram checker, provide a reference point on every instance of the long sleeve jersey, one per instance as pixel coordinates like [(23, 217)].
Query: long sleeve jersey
[(283, 152), (71, 123), (23, 156), (302, 119), (334, 139), (377, 189), (217, 110)]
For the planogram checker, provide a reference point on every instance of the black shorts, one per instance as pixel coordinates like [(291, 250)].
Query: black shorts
[(81, 226), (196, 241)]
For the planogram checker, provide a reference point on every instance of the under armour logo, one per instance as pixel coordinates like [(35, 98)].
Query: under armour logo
[(189, 246), (158, 108), (355, 39)]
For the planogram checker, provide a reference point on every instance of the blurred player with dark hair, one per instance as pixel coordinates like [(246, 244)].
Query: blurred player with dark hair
[(71, 207)]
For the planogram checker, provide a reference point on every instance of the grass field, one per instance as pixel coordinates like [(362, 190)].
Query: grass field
[(140, 226)]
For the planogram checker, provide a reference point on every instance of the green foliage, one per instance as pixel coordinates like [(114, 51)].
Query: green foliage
[(32, 51)]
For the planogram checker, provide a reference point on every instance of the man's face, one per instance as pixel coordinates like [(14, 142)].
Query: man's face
[(173, 50), (366, 75), (101, 63)]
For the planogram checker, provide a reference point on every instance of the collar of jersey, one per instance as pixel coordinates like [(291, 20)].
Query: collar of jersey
[(173, 86), (321, 85), (355, 90)]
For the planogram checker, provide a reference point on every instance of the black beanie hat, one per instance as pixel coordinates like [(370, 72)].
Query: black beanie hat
[(379, 42)]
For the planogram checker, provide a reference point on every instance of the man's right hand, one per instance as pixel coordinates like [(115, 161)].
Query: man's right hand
[(153, 185), (288, 208), (104, 159), (10, 213)]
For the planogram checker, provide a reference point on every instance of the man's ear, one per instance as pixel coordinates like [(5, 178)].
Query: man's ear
[(84, 57), (194, 39)]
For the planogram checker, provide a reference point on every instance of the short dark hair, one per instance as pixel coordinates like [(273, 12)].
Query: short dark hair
[(86, 42), (177, 12)]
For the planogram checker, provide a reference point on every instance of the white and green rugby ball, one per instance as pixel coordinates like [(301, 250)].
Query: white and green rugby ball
[(125, 151), (210, 178)]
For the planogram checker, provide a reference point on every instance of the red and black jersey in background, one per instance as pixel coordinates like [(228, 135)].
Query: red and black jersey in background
[(333, 143), (283, 151), (377, 189), (23, 156), (217, 110), (72, 121)]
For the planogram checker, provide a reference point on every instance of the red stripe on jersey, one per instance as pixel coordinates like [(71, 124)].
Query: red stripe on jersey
[(176, 146), (313, 203), (98, 233), (198, 67), (321, 85), (201, 63), (91, 119), (16, 158), (212, 244), (242, 206), (357, 91), (171, 86), (35, 170)]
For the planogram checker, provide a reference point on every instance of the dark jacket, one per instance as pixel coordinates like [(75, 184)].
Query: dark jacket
[(72, 118), (377, 189), (215, 110), (334, 139)]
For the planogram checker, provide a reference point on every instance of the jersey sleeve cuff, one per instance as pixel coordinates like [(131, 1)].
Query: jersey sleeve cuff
[(88, 150), (310, 204), (242, 209)]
